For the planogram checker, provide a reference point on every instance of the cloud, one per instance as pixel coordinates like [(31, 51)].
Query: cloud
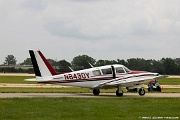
[(34, 5), (102, 19), (100, 28)]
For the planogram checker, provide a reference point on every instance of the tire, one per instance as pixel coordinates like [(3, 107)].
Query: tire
[(119, 94), (96, 91), (158, 89), (141, 92)]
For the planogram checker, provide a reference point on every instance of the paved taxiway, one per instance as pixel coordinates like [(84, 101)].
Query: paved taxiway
[(83, 95)]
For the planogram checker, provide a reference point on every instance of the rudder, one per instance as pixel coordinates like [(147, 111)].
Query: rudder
[(41, 66)]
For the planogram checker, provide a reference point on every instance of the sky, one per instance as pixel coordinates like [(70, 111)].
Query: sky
[(102, 29)]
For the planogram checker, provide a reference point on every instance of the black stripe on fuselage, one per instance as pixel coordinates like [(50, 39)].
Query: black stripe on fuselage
[(34, 62)]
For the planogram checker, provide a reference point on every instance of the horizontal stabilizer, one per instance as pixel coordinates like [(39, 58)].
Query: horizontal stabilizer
[(39, 79)]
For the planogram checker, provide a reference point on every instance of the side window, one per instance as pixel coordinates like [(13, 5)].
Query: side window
[(106, 71), (120, 70), (96, 72)]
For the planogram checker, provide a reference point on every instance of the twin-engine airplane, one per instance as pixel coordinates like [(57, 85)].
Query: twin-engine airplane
[(104, 77)]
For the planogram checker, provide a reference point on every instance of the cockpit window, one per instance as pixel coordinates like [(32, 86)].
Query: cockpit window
[(120, 70), (96, 72), (106, 71), (126, 69)]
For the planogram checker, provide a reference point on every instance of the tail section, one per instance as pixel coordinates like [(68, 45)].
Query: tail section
[(41, 66)]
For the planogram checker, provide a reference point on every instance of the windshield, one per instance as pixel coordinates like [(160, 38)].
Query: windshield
[(120, 70), (126, 69)]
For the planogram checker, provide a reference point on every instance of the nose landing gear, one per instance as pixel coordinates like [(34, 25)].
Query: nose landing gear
[(119, 92), (141, 91)]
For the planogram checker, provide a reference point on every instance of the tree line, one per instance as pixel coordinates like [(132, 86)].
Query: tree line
[(166, 66)]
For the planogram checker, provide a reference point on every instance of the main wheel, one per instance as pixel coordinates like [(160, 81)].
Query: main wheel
[(96, 91), (142, 92), (118, 93)]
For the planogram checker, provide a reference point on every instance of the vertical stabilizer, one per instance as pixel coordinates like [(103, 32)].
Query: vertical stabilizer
[(35, 64), (41, 66)]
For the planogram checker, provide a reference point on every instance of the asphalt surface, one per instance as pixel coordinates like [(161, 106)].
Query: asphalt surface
[(85, 95)]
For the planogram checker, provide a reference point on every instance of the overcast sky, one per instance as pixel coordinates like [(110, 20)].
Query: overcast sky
[(102, 29)]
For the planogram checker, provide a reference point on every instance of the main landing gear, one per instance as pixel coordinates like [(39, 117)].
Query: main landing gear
[(119, 92), (96, 91)]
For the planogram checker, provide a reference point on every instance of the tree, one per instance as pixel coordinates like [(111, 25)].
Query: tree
[(177, 61), (170, 66), (122, 62), (27, 62), (10, 60), (64, 66), (134, 63), (156, 66), (100, 63), (82, 62), (105, 62), (52, 62)]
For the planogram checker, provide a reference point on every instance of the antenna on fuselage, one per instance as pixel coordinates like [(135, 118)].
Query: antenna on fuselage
[(70, 68), (91, 65)]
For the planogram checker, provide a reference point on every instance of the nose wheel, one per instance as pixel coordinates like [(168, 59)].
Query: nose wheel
[(119, 92), (142, 92)]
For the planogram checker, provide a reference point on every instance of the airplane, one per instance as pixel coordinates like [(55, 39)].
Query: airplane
[(95, 78)]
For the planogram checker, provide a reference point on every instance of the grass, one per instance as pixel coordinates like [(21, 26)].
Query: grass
[(88, 108), (15, 79), (71, 90), (169, 81), (44, 90), (85, 108)]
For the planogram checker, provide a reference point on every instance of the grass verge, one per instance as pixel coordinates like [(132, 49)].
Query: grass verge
[(169, 81), (15, 79), (71, 90), (88, 108)]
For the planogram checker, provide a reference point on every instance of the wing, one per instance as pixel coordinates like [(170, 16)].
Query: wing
[(128, 80)]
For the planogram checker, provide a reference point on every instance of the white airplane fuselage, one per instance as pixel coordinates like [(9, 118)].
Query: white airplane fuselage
[(87, 79), (109, 76)]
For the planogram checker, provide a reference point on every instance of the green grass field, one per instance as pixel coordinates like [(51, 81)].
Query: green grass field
[(15, 79), (88, 108), (85, 108), (169, 81), (71, 90)]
